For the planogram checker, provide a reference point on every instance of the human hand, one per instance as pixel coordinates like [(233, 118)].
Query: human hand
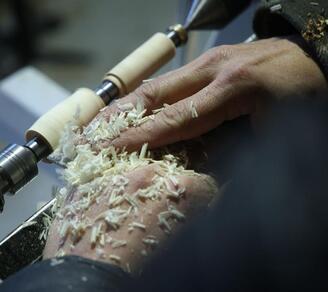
[(222, 84), (197, 194)]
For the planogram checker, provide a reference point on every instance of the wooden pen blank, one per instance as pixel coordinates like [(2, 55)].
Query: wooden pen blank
[(84, 104), (142, 63), (127, 76)]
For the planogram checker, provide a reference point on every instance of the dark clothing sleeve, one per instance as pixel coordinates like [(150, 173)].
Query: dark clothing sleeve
[(269, 230), (70, 273), (306, 17)]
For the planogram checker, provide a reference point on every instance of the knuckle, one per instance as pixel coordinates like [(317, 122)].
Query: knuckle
[(173, 117), (217, 54), (134, 137), (209, 58), (149, 92), (141, 177), (170, 117), (220, 53), (225, 51), (144, 132), (236, 72)]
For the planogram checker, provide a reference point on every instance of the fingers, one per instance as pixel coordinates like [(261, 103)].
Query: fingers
[(220, 101), (168, 88), (186, 119)]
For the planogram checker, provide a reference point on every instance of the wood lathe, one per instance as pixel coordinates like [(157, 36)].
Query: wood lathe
[(18, 164)]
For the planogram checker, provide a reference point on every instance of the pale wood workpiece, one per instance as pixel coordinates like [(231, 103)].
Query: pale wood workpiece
[(82, 106)]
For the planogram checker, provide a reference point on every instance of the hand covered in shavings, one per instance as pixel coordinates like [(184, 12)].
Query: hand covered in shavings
[(126, 217), (119, 206)]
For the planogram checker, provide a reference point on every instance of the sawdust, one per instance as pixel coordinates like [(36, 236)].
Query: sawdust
[(315, 28)]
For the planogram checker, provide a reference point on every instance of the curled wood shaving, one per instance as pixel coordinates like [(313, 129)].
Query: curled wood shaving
[(115, 258)]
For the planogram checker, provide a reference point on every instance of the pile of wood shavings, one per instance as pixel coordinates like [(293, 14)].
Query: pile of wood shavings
[(90, 173)]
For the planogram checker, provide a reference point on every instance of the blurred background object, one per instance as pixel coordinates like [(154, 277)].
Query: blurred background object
[(74, 42), (22, 100), (21, 27)]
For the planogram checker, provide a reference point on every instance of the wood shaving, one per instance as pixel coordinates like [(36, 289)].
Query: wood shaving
[(55, 262), (151, 241), (275, 8), (137, 225), (115, 258), (193, 110), (60, 253), (27, 224), (143, 151), (128, 269), (118, 243)]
